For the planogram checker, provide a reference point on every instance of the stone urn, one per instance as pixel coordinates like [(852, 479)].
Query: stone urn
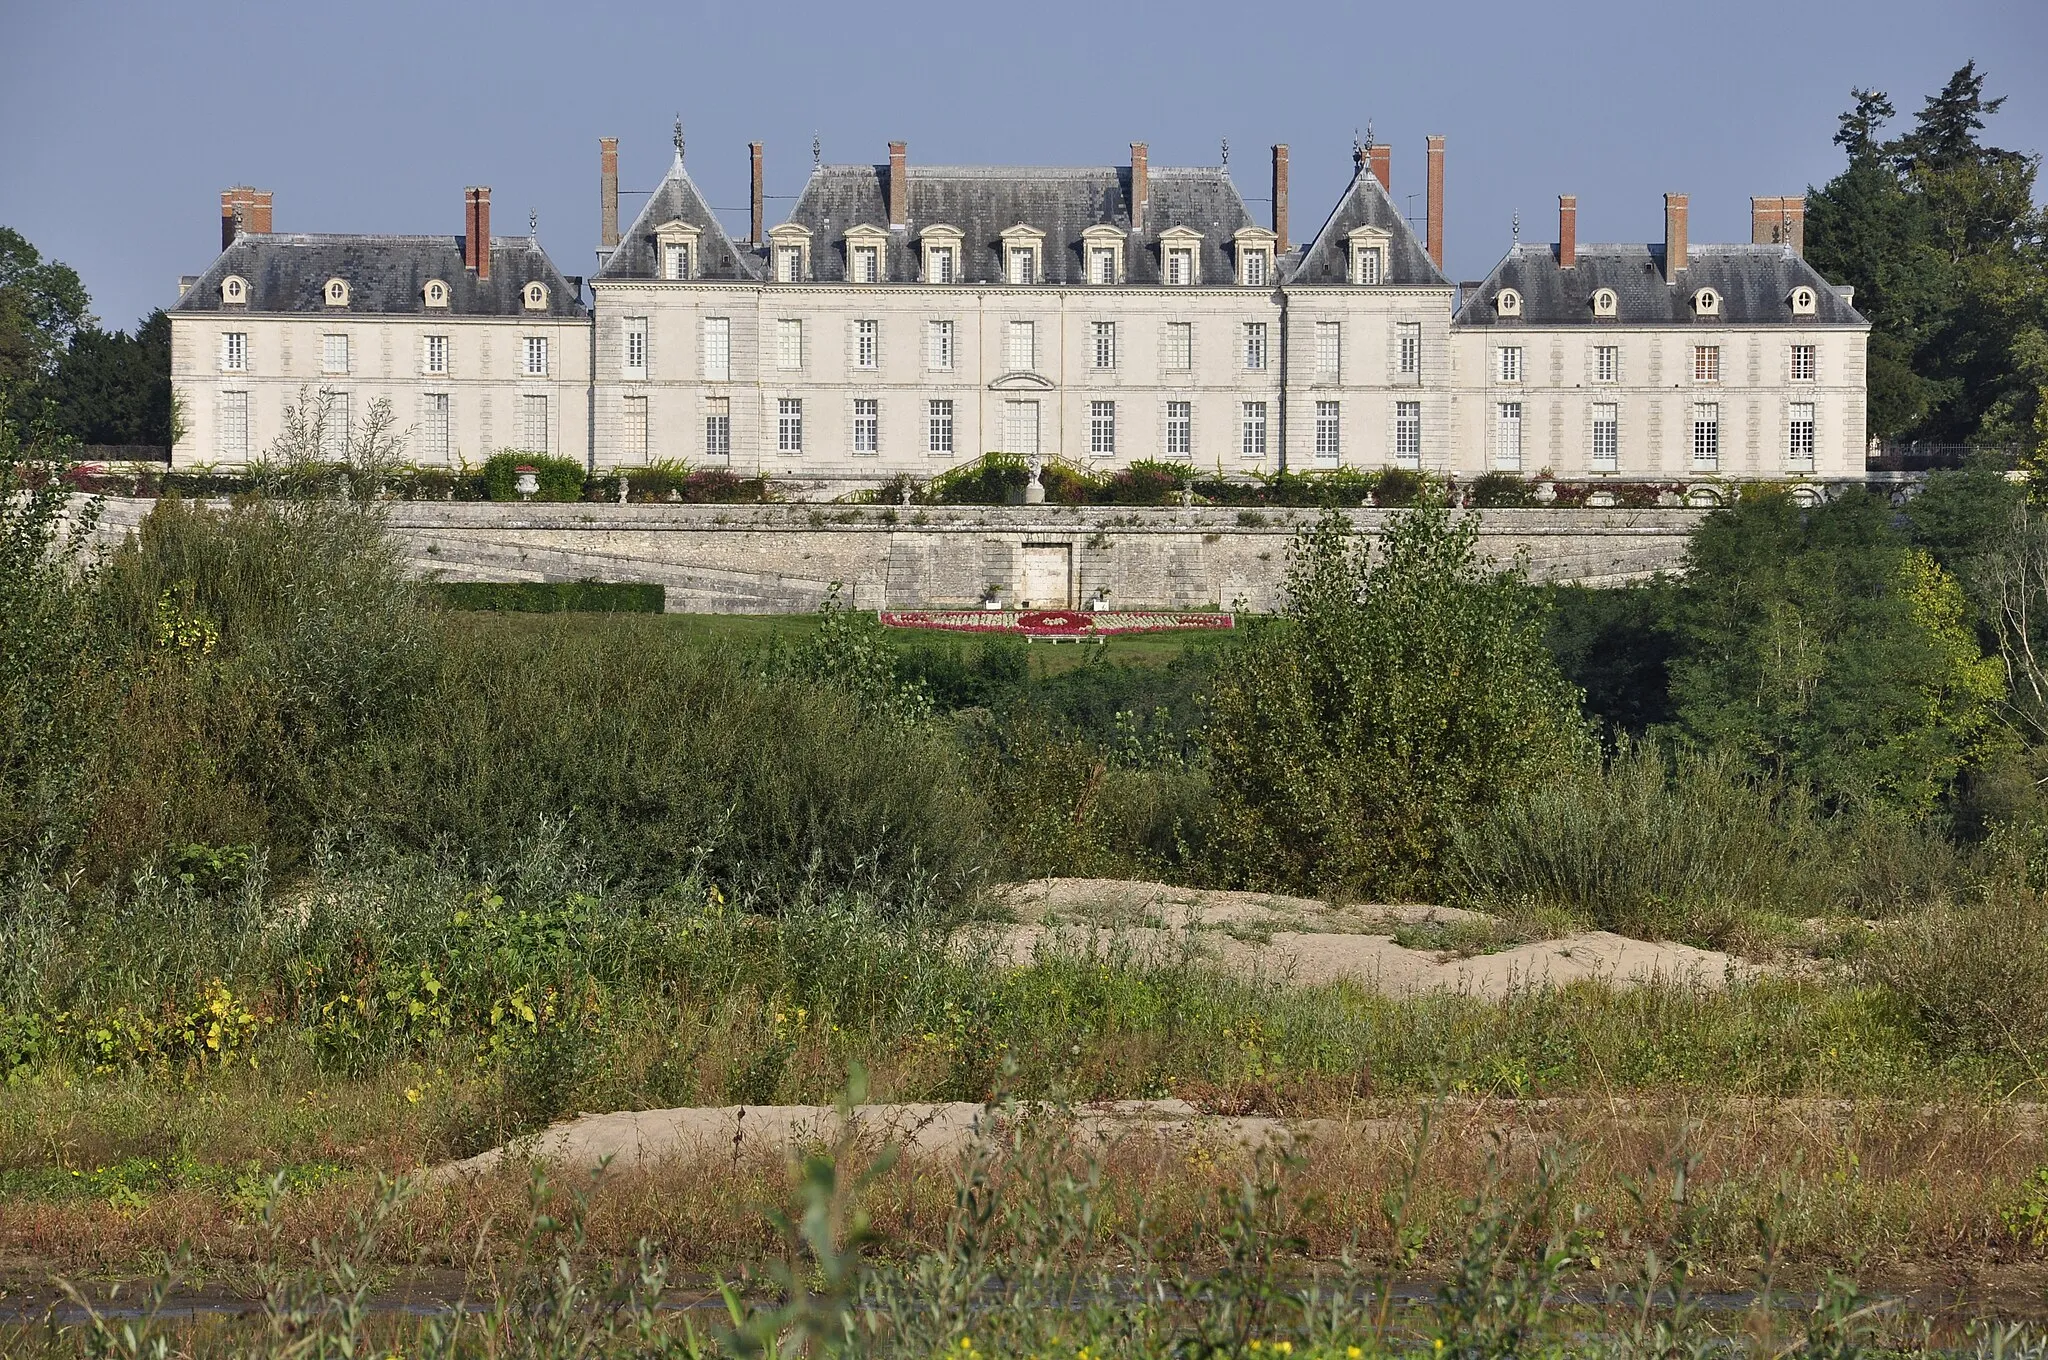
[(526, 481), (1545, 493)]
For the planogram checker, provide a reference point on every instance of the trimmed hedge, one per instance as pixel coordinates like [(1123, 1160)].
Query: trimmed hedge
[(549, 597)]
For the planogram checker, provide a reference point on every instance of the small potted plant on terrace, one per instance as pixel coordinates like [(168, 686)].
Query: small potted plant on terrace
[(992, 596)]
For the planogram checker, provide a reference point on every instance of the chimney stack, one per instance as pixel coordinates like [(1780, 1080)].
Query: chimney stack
[(1141, 189), (1435, 199), (243, 209), (607, 192), (758, 227), (1778, 222), (476, 237), (899, 187), (1280, 196), (1567, 231), (1382, 158), (1674, 236)]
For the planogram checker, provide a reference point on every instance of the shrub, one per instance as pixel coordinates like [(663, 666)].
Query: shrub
[(1499, 490), (1145, 482), (1400, 691), (1974, 977), (560, 479), (1396, 487)]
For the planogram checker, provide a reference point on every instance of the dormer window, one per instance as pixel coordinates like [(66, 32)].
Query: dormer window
[(941, 254), (790, 249), (436, 293), (1805, 302), (1023, 262), (234, 291), (1368, 255), (864, 254), (335, 293), (1605, 303), (676, 246), (1507, 303), (1102, 246), (536, 297), (1180, 257), (1706, 302), (1254, 257)]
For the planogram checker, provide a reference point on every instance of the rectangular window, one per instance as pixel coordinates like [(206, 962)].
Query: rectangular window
[(1805, 363), (1606, 363), (1328, 434), (939, 264), (435, 355), (1180, 267), (1706, 437), (536, 352), (867, 343), (1410, 335), (1020, 427), (234, 352), (1408, 434), (789, 344), (867, 425), (1023, 265), (1180, 429), (1509, 366), (867, 264), (1180, 344), (633, 347), (1021, 354), (1102, 344), (1329, 351), (1507, 437), (1799, 437), (1606, 436), (1368, 266), (1253, 443), (231, 427), (1102, 265), (334, 354), (718, 427), (1102, 429), (1255, 269), (938, 346), (938, 436), (633, 435), (1255, 344), (335, 418), (1706, 363), (789, 425), (789, 264), (715, 349), (676, 261), (533, 412), (436, 433)]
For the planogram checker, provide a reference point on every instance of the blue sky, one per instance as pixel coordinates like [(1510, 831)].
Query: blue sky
[(121, 122)]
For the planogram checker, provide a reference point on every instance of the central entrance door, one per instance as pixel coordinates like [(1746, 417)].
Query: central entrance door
[(1048, 576)]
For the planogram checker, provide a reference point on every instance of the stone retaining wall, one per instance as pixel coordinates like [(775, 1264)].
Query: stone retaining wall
[(781, 558)]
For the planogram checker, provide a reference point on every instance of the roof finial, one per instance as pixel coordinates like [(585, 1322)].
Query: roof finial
[(679, 139), (1357, 152), (1516, 226), (817, 151), (1368, 132), (533, 223), (1226, 153)]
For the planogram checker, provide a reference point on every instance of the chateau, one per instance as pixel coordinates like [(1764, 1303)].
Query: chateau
[(904, 319)]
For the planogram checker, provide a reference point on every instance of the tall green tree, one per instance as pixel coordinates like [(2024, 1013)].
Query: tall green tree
[(115, 388), (1825, 648), (1402, 690), (42, 305)]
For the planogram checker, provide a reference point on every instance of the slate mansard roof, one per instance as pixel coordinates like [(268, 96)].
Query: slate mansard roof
[(1327, 259), (1755, 283), (677, 199), (386, 275)]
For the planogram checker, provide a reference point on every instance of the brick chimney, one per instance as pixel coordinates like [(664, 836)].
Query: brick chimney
[(1567, 231), (1674, 236), (1435, 200), (1778, 222), (1382, 157), (1280, 195), (758, 228), (607, 192), (1141, 189), (899, 186), (476, 238), (243, 209)]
